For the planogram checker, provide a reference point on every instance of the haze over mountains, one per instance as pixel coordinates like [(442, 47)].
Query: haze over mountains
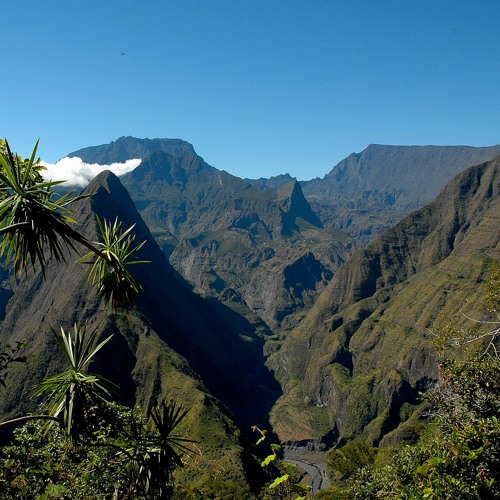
[(263, 299)]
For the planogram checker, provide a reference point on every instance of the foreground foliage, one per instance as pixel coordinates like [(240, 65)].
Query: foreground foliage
[(73, 391), (130, 458), (287, 483), (459, 455), (100, 449), (9, 356)]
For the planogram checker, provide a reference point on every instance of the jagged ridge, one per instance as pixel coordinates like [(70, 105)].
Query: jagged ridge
[(172, 344)]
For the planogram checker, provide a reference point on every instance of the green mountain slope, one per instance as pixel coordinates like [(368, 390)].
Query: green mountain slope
[(172, 345), (356, 363), (260, 250)]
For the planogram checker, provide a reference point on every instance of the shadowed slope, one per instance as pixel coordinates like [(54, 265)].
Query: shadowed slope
[(227, 236), (172, 344)]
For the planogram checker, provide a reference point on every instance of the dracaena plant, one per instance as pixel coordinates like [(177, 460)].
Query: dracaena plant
[(72, 392), (151, 451), (32, 221), (109, 272), (35, 225)]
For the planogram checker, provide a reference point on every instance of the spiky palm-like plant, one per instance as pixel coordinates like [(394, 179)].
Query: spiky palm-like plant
[(36, 225), (72, 391), (31, 220), (153, 452), (109, 272)]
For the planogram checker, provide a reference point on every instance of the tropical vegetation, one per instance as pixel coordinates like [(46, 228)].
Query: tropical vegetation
[(135, 455), (84, 445)]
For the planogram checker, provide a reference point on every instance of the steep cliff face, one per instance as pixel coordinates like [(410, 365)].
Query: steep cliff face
[(368, 192), (242, 253), (420, 241), (356, 363), (229, 238), (171, 345)]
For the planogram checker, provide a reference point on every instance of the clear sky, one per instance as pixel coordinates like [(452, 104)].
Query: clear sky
[(258, 87)]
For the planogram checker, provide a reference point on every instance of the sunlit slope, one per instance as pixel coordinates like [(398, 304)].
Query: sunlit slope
[(369, 192), (357, 362)]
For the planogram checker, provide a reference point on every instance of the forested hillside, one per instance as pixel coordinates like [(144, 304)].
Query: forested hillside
[(171, 345)]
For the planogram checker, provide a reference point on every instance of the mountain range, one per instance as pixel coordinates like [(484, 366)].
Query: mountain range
[(255, 248), (172, 345), (369, 192), (310, 306), (357, 363), (249, 243)]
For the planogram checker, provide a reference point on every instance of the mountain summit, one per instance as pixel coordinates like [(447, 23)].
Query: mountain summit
[(127, 148)]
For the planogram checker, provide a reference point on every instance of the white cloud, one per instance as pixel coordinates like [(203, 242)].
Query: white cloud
[(78, 173)]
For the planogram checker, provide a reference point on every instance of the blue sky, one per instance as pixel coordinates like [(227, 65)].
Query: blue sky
[(258, 87)]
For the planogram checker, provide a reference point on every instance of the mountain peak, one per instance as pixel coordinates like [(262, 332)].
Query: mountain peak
[(127, 148), (293, 202)]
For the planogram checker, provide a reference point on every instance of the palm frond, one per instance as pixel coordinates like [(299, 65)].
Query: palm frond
[(166, 417), (31, 220), (109, 272), (35, 226), (71, 391), (151, 453)]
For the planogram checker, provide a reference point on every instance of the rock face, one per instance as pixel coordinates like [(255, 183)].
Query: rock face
[(353, 348), (422, 240), (248, 245), (172, 345), (368, 192), (356, 363)]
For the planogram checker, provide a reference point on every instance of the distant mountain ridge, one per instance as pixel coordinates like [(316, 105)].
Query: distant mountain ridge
[(228, 236), (364, 194), (410, 176), (370, 191), (127, 148), (357, 362)]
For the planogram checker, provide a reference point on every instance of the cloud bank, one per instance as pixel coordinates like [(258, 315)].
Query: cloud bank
[(78, 173)]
